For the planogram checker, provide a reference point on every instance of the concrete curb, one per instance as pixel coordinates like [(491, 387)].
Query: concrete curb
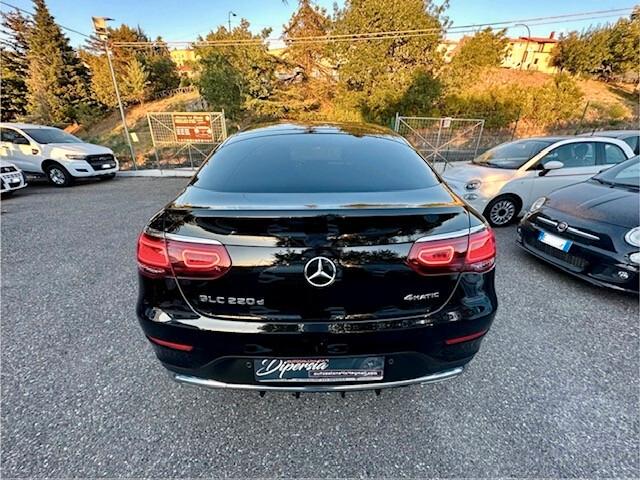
[(177, 172)]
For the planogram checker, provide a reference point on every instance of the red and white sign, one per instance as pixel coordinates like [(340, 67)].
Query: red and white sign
[(193, 127)]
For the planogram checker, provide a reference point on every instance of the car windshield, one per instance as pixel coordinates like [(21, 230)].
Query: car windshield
[(50, 135), (321, 163), (626, 174), (511, 155)]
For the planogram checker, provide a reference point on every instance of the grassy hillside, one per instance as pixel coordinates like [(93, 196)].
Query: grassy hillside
[(108, 131), (606, 104)]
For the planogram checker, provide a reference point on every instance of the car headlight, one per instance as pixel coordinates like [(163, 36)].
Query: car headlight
[(72, 156), (633, 237), (538, 204), (473, 184), (635, 258)]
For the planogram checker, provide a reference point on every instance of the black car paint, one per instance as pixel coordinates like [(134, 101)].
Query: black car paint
[(599, 210), (270, 237)]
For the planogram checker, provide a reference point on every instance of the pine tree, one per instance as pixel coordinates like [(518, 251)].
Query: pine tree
[(57, 80), (307, 21), (135, 81), (14, 65)]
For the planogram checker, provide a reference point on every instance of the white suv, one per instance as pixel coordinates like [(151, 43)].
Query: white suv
[(52, 152)]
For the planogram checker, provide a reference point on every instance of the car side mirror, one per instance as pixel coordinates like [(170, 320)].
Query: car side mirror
[(550, 165)]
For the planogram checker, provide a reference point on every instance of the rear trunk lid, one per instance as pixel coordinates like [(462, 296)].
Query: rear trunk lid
[(359, 246)]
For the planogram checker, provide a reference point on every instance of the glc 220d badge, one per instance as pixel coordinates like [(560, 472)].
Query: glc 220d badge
[(315, 258)]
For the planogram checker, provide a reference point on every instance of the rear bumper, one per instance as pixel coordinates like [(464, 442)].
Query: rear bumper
[(419, 350), (432, 378)]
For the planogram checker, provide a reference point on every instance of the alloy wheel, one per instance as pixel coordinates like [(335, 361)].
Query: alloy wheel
[(502, 212), (57, 176)]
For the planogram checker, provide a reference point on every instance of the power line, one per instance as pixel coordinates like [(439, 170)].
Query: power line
[(33, 15), (366, 36)]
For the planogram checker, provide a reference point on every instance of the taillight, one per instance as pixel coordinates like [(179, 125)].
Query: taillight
[(158, 257), (198, 260), (153, 259), (481, 255), (473, 253)]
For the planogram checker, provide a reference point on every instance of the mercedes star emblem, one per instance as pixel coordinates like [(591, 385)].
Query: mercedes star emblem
[(320, 272)]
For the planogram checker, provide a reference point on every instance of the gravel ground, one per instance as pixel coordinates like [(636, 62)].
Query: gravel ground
[(553, 392)]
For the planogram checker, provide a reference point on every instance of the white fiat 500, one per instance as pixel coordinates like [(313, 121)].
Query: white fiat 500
[(504, 181)]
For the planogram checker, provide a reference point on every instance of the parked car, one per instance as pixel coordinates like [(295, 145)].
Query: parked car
[(52, 152), (591, 229), (630, 137), (11, 178), (316, 258), (504, 181)]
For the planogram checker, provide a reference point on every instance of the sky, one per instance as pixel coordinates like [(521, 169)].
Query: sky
[(184, 20)]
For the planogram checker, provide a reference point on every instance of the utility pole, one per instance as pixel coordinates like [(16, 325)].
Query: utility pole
[(231, 14), (526, 46), (100, 27)]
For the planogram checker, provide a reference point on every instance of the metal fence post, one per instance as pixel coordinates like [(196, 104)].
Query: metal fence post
[(397, 123), (584, 112), (153, 142)]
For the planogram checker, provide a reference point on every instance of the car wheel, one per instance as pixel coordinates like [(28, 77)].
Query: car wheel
[(110, 176), (501, 211), (58, 175)]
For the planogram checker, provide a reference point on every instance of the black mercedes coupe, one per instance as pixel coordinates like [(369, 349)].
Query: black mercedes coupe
[(591, 229), (316, 258)]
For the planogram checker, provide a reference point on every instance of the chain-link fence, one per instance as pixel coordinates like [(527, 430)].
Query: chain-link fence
[(442, 139), (185, 139), (447, 139)]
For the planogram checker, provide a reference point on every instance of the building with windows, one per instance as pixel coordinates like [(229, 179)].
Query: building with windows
[(531, 53)]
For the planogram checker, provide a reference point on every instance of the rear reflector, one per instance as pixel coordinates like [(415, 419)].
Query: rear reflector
[(176, 346), (473, 253), (158, 257), (466, 338)]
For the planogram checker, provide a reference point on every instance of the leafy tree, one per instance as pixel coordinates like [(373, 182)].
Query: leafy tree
[(374, 75), (307, 21), (483, 50), (163, 72), (624, 46), (220, 83), (249, 71), (607, 51), (14, 65), (135, 81), (57, 80)]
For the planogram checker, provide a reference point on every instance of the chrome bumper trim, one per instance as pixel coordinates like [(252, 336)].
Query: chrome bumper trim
[(573, 230), (203, 382)]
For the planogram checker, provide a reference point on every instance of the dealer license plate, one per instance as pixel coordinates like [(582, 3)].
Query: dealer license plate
[(309, 370), (555, 241)]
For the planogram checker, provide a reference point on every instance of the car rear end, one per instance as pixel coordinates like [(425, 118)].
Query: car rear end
[(298, 280)]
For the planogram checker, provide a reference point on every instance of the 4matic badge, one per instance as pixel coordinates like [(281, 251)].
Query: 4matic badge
[(413, 297)]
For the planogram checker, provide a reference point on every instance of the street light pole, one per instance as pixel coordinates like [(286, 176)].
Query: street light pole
[(100, 26), (229, 19), (526, 46)]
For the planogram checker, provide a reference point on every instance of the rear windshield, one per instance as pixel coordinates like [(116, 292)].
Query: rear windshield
[(315, 163)]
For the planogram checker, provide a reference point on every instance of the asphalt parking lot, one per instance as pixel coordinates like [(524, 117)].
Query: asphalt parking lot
[(554, 391)]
